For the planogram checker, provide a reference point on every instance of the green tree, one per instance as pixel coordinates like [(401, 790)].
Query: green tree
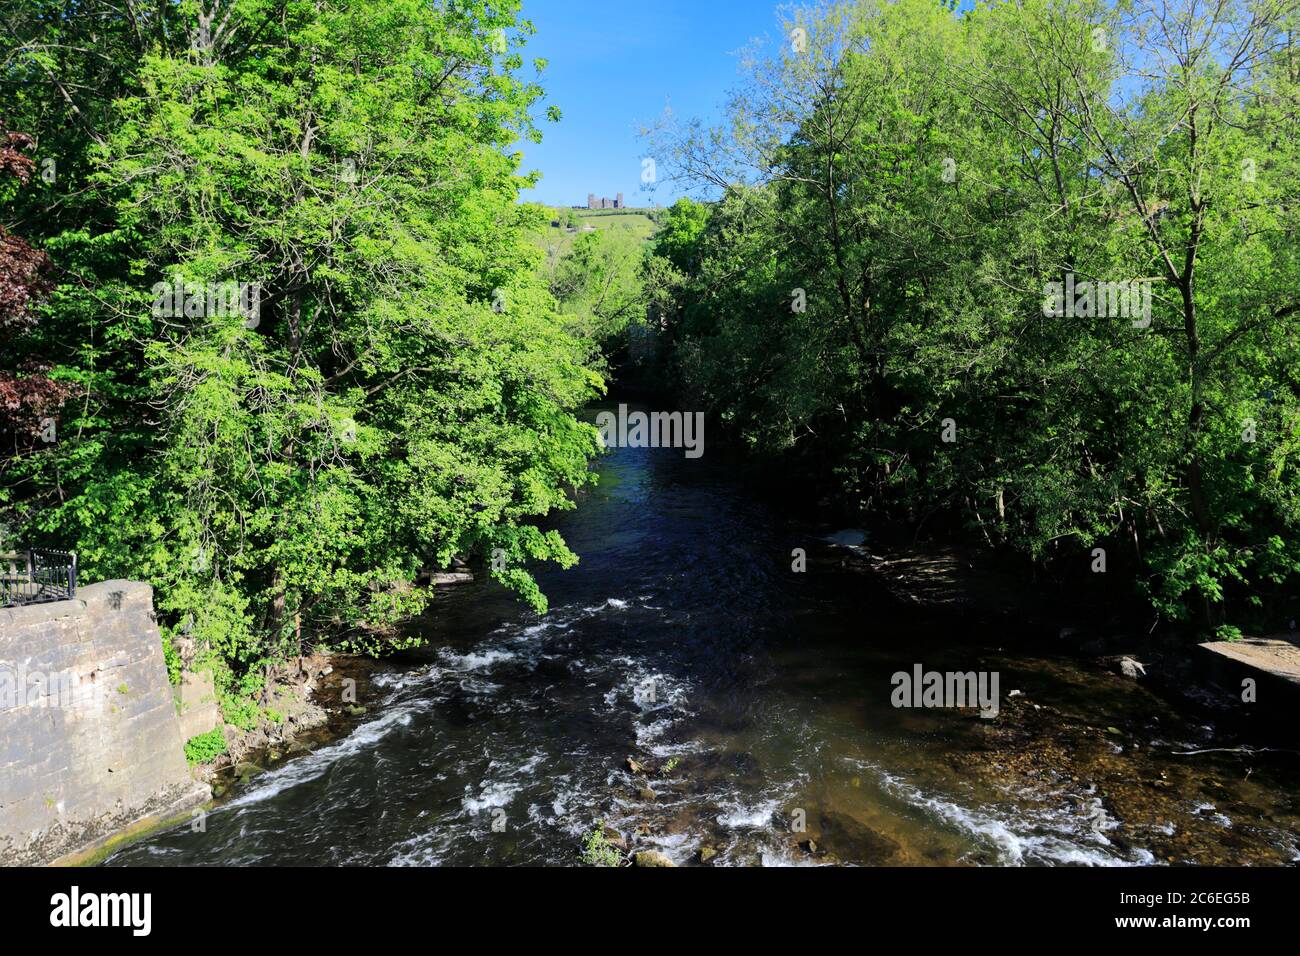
[(900, 188), (598, 282), (397, 387)]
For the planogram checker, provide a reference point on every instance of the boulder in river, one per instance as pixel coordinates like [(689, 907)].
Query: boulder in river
[(443, 579), (1126, 665), (652, 858), (1131, 668)]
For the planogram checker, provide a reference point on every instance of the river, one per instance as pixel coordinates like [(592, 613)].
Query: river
[(759, 700)]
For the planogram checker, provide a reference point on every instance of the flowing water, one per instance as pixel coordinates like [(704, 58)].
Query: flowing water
[(759, 702)]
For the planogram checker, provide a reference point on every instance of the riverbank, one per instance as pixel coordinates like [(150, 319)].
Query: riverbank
[(320, 699), (977, 586)]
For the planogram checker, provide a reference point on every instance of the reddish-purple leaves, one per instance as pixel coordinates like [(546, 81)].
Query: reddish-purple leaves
[(28, 397)]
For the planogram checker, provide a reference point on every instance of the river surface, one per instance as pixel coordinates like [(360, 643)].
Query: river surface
[(758, 702)]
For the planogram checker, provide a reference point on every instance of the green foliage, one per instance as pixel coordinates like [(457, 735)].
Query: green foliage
[(171, 658), (922, 176), (678, 239), (594, 266), (406, 393), (237, 706), (205, 748), (598, 282), (1228, 632), (597, 850)]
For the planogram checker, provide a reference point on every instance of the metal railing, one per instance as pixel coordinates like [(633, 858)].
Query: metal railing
[(37, 577)]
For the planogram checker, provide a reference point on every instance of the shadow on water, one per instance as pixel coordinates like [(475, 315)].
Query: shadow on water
[(757, 703)]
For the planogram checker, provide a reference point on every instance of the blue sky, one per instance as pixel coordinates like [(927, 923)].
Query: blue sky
[(614, 67)]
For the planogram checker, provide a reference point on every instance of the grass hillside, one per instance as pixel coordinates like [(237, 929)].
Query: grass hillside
[(556, 240)]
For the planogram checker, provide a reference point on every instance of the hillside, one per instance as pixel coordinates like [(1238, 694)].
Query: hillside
[(638, 224)]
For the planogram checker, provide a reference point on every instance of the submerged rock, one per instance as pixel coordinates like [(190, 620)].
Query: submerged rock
[(652, 858), (615, 839), (850, 839)]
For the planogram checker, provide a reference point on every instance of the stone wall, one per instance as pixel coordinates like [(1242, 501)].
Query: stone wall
[(90, 742)]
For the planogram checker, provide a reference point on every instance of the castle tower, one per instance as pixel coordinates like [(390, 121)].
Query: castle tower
[(591, 200), (618, 202)]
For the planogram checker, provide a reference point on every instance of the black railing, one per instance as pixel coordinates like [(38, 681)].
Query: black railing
[(37, 577)]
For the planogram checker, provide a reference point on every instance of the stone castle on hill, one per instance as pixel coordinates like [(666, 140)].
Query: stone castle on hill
[(601, 203)]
